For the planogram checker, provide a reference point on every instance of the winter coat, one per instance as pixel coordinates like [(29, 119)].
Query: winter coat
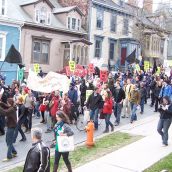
[(73, 95), (54, 106), (165, 91), (108, 105), (142, 92), (94, 102), (121, 95), (165, 114), (10, 113), (38, 158)]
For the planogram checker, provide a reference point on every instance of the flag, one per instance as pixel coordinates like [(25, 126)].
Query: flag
[(132, 57), (13, 56)]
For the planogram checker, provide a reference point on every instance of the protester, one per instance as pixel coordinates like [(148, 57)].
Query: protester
[(83, 89), (142, 97), (107, 111), (62, 128), (119, 96), (95, 103), (157, 92), (22, 117), (165, 119), (134, 102), (9, 110), (38, 157)]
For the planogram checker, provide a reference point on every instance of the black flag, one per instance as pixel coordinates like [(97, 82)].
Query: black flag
[(132, 57), (13, 56)]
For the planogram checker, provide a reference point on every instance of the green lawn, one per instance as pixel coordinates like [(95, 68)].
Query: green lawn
[(103, 146), (164, 164)]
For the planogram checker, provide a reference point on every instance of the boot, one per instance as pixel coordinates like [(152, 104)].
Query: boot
[(69, 167), (106, 130), (55, 168)]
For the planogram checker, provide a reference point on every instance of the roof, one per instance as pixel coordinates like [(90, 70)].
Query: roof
[(29, 2), (18, 14), (112, 5), (67, 9)]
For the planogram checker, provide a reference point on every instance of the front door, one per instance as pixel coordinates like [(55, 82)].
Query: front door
[(123, 55)]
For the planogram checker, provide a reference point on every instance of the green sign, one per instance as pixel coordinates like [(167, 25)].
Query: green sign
[(20, 74)]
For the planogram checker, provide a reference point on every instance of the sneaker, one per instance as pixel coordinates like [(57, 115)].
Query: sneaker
[(164, 145), (42, 121), (141, 113), (14, 155), (6, 159), (28, 131), (116, 124), (48, 131), (122, 116), (106, 131), (37, 117)]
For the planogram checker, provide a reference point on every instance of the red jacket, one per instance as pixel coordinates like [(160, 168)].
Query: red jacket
[(108, 105), (54, 107)]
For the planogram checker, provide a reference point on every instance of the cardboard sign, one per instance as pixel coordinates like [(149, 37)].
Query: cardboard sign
[(36, 68), (137, 67), (72, 65), (146, 65), (88, 93), (91, 68), (68, 72), (104, 75)]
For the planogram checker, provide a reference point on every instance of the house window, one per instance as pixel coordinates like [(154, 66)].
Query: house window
[(2, 7), (79, 23), (111, 50), (43, 16), (73, 23), (126, 27), (113, 23), (2, 46), (99, 23), (98, 47), (41, 50), (162, 46), (68, 23)]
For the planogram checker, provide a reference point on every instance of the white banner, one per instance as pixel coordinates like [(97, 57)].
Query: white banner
[(51, 82)]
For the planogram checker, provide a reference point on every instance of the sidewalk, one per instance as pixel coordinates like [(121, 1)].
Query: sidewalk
[(137, 156)]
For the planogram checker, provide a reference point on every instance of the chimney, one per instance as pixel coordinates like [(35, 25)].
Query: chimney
[(148, 6)]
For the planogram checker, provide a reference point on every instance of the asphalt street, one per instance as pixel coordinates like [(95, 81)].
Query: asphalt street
[(80, 137)]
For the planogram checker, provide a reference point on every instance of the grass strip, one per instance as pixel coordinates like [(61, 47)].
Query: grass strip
[(103, 146), (163, 164)]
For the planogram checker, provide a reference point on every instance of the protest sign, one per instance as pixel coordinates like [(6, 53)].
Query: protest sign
[(104, 75), (72, 65), (36, 68), (146, 65), (91, 69)]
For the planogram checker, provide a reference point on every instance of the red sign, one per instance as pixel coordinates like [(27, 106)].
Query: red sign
[(91, 68), (104, 75), (68, 72)]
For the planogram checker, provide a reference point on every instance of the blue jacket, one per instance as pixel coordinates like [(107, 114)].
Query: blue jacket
[(165, 91), (73, 95)]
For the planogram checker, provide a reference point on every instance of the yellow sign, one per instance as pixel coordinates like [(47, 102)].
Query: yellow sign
[(146, 65), (36, 68), (137, 67), (72, 65), (158, 70)]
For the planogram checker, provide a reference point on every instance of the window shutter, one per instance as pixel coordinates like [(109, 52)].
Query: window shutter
[(49, 18), (68, 23)]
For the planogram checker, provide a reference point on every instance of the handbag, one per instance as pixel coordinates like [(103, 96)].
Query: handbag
[(65, 143), (101, 114)]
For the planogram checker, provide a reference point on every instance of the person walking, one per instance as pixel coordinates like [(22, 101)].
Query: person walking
[(21, 120), (107, 111), (62, 128), (9, 110), (119, 96), (165, 119), (142, 97), (38, 157), (134, 102), (94, 103), (83, 89), (157, 92)]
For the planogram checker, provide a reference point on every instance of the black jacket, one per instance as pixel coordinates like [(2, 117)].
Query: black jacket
[(95, 102), (21, 111), (120, 96), (38, 158), (165, 114), (142, 92), (157, 91)]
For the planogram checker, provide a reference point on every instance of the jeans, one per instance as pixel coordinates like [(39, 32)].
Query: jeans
[(2, 124), (133, 111), (126, 108), (65, 156), (94, 117), (142, 103), (163, 126), (107, 121), (157, 101), (36, 109), (19, 129), (29, 118), (117, 112), (48, 119), (10, 141)]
